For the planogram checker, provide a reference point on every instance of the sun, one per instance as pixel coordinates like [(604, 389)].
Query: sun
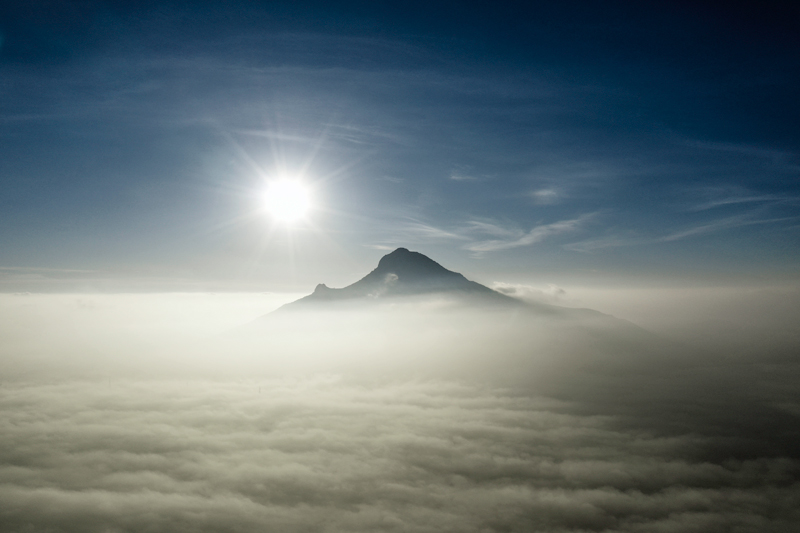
[(287, 200)]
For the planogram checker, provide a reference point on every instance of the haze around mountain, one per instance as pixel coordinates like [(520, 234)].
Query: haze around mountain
[(412, 399)]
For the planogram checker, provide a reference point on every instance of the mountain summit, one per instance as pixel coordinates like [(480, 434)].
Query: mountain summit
[(411, 314), (406, 273)]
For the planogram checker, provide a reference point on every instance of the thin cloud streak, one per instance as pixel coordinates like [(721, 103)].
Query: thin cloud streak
[(536, 235), (491, 228), (412, 231), (428, 231), (733, 200), (459, 176), (507, 237), (616, 241), (277, 135), (612, 241), (548, 196), (779, 157), (727, 223), (50, 270)]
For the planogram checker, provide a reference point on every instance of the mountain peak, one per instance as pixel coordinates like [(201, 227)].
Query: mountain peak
[(410, 266), (405, 273)]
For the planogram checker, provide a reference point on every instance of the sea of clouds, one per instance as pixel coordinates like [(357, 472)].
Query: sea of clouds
[(119, 414)]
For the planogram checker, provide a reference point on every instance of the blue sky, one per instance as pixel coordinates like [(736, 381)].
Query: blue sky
[(526, 142)]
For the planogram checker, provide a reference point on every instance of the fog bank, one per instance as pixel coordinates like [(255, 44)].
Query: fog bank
[(319, 455), (186, 412)]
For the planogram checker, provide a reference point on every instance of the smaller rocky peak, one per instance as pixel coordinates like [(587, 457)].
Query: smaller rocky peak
[(321, 288)]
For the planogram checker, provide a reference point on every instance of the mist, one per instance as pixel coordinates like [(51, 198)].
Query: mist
[(196, 412)]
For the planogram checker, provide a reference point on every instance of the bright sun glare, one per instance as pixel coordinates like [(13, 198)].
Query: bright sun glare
[(287, 200)]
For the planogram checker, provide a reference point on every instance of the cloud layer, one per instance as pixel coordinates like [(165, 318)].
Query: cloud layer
[(476, 422), (321, 455)]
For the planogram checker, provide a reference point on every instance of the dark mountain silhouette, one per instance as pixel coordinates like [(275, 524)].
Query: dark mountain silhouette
[(411, 316), (406, 273)]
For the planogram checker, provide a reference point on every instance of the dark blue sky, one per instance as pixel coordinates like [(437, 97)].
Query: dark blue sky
[(542, 142)]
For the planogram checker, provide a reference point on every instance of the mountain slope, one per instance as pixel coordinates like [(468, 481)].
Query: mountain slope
[(411, 316), (406, 273)]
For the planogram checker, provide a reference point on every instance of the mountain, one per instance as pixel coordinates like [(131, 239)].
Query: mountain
[(405, 273), (411, 316)]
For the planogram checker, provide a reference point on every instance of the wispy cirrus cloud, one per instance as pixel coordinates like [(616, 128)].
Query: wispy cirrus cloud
[(491, 228), (609, 241), (519, 239), (458, 176), (482, 235), (781, 158), (546, 196), (731, 196), (719, 225), (422, 229), (47, 270), (277, 135), (414, 231), (630, 239), (733, 200)]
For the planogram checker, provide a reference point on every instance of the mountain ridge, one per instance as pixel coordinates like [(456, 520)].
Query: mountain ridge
[(404, 273), (414, 316)]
